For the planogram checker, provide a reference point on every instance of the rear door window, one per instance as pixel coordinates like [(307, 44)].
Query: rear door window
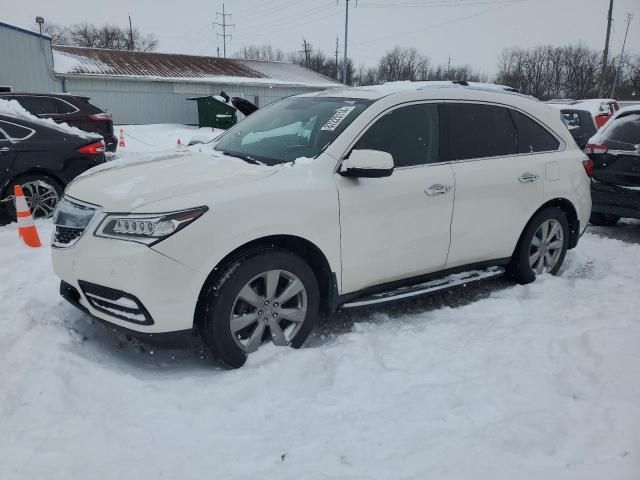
[(533, 137), (479, 131), (410, 134)]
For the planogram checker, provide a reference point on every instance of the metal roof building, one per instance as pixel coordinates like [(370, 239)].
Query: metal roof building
[(144, 87)]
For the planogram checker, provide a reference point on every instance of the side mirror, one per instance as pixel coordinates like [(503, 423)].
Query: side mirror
[(367, 164)]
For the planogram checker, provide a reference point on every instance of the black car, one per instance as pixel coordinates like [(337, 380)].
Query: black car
[(70, 109), (615, 183), (43, 159), (580, 124)]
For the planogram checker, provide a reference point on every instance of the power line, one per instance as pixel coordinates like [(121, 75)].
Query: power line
[(224, 33), (290, 22), (466, 3), (437, 25)]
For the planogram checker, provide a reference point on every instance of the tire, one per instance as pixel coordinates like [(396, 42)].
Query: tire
[(227, 301), (520, 268), (48, 190), (603, 219)]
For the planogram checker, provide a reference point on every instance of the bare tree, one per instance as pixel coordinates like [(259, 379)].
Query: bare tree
[(59, 34), (105, 36), (261, 52)]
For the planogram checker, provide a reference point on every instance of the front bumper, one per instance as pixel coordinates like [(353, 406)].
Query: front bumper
[(166, 290), (615, 200)]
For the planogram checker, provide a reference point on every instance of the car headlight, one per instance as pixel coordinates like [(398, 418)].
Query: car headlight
[(147, 228)]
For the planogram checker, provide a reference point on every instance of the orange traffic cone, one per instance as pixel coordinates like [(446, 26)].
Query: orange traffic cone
[(26, 228), (178, 145), (121, 140)]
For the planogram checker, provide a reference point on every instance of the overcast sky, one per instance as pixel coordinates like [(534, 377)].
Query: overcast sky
[(470, 31)]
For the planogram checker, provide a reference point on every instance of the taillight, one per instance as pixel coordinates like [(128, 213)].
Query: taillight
[(595, 149), (95, 148), (587, 163), (100, 116)]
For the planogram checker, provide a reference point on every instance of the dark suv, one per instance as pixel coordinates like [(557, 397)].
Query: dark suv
[(70, 109), (615, 152)]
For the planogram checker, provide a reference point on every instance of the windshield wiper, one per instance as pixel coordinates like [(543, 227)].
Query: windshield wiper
[(246, 158)]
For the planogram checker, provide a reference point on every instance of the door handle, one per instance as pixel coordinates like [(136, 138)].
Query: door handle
[(4, 149), (528, 177), (437, 189)]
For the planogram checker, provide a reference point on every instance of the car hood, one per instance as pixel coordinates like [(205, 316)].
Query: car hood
[(123, 186)]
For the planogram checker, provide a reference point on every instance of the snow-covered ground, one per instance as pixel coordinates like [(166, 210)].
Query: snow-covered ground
[(492, 381)]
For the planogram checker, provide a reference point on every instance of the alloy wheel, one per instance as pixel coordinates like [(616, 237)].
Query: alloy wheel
[(546, 246), (41, 197), (273, 302)]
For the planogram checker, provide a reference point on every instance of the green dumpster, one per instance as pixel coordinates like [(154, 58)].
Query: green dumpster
[(215, 113)]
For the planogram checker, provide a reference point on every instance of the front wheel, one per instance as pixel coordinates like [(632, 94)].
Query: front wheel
[(272, 294), (542, 246)]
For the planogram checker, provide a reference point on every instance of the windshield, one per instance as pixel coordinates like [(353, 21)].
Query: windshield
[(291, 128)]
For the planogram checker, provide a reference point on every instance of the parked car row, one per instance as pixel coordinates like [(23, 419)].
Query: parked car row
[(411, 190)]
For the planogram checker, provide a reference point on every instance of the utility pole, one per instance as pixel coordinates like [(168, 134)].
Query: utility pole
[(346, 35), (224, 26), (620, 64), (130, 35), (337, 58), (605, 54), (449, 69), (218, 50), (307, 51)]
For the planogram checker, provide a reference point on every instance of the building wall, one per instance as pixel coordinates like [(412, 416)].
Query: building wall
[(145, 101), (26, 62)]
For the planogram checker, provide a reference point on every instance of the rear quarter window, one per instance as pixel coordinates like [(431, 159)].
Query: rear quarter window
[(15, 131), (533, 137)]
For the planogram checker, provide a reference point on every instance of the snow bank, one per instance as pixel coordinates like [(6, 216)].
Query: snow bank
[(14, 109), (516, 382)]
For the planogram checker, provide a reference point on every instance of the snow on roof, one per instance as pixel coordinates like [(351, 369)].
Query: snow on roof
[(567, 106), (595, 105), (12, 108), (186, 68), (389, 88)]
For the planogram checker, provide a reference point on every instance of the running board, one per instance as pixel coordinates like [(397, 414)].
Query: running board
[(426, 287)]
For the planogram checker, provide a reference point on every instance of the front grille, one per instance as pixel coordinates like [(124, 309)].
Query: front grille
[(65, 236)]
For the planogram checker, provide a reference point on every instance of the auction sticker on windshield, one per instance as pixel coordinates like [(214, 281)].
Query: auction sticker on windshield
[(337, 118)]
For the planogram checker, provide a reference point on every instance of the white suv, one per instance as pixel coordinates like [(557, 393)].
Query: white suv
[(325, 200)]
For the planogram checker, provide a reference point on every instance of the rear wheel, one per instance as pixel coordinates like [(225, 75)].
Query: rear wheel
[(41, 192), (603, 219), (269, 295), (542, 246)]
